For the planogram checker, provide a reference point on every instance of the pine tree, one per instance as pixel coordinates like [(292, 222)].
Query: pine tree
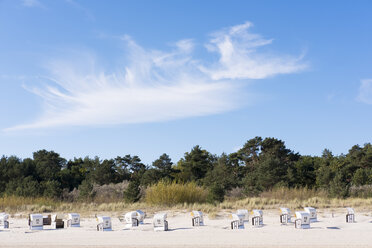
[(132, 193)]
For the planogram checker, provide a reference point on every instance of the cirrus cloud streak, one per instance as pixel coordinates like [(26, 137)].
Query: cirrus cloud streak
[(156, 85), (365, 91)]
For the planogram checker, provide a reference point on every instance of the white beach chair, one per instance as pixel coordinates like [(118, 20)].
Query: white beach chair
[(313, 214), (237, 221), (257, 219), (35, 221), (104, 223), (141, 216), (131, 219), (302, 220), (244, 212), (73, 220), (285, 215), (160, 222), (197, 218), (350, 216), (4, 223), (57, 221)]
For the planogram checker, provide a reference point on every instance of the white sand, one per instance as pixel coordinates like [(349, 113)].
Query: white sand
[(328, 232)]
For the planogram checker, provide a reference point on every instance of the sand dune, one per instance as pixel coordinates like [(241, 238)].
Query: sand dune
[(328, 232)]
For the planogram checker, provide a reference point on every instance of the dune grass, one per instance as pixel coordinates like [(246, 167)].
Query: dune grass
[(172, 193), (183, 198)]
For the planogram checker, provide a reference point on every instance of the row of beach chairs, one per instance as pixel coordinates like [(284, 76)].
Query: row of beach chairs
[(302, 219), (56, 221)]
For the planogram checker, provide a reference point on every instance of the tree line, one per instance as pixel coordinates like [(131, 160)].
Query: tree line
[(260, 165)]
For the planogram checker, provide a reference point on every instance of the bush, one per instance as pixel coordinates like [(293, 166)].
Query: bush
[(52, 189), (216, 193), (364, 191), (27, 187), (171, 193), (132, 193), (338, 187), (109, 192), (86, 190), (235, 193), (360, 177)]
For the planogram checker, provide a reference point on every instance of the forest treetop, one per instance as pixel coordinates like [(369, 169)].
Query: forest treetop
[(260, 165)]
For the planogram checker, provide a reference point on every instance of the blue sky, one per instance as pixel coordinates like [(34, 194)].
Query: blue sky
[(110, 78)]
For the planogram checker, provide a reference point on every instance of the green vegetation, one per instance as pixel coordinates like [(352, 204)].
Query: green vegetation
[(261, 166), (132, 192)]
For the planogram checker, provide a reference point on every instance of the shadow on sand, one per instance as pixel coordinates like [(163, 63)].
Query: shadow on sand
[(333, 227), (181, 228)]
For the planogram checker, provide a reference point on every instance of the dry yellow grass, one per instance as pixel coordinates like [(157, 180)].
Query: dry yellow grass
[(292, 198), (172, 193)]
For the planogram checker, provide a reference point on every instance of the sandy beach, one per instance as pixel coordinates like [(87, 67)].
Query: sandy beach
[(327, 232)]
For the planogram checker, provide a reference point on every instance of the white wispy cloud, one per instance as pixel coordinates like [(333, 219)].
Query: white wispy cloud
[(155, 85), (240, 58), (32, 3), (365, 91), (87, 13)]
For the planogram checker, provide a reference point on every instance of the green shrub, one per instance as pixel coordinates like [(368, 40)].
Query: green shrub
[(27, 187), (86, 190), (52, 189), (132, 193), (360, 177), (338, 186), (216, 193), (172, 193)]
